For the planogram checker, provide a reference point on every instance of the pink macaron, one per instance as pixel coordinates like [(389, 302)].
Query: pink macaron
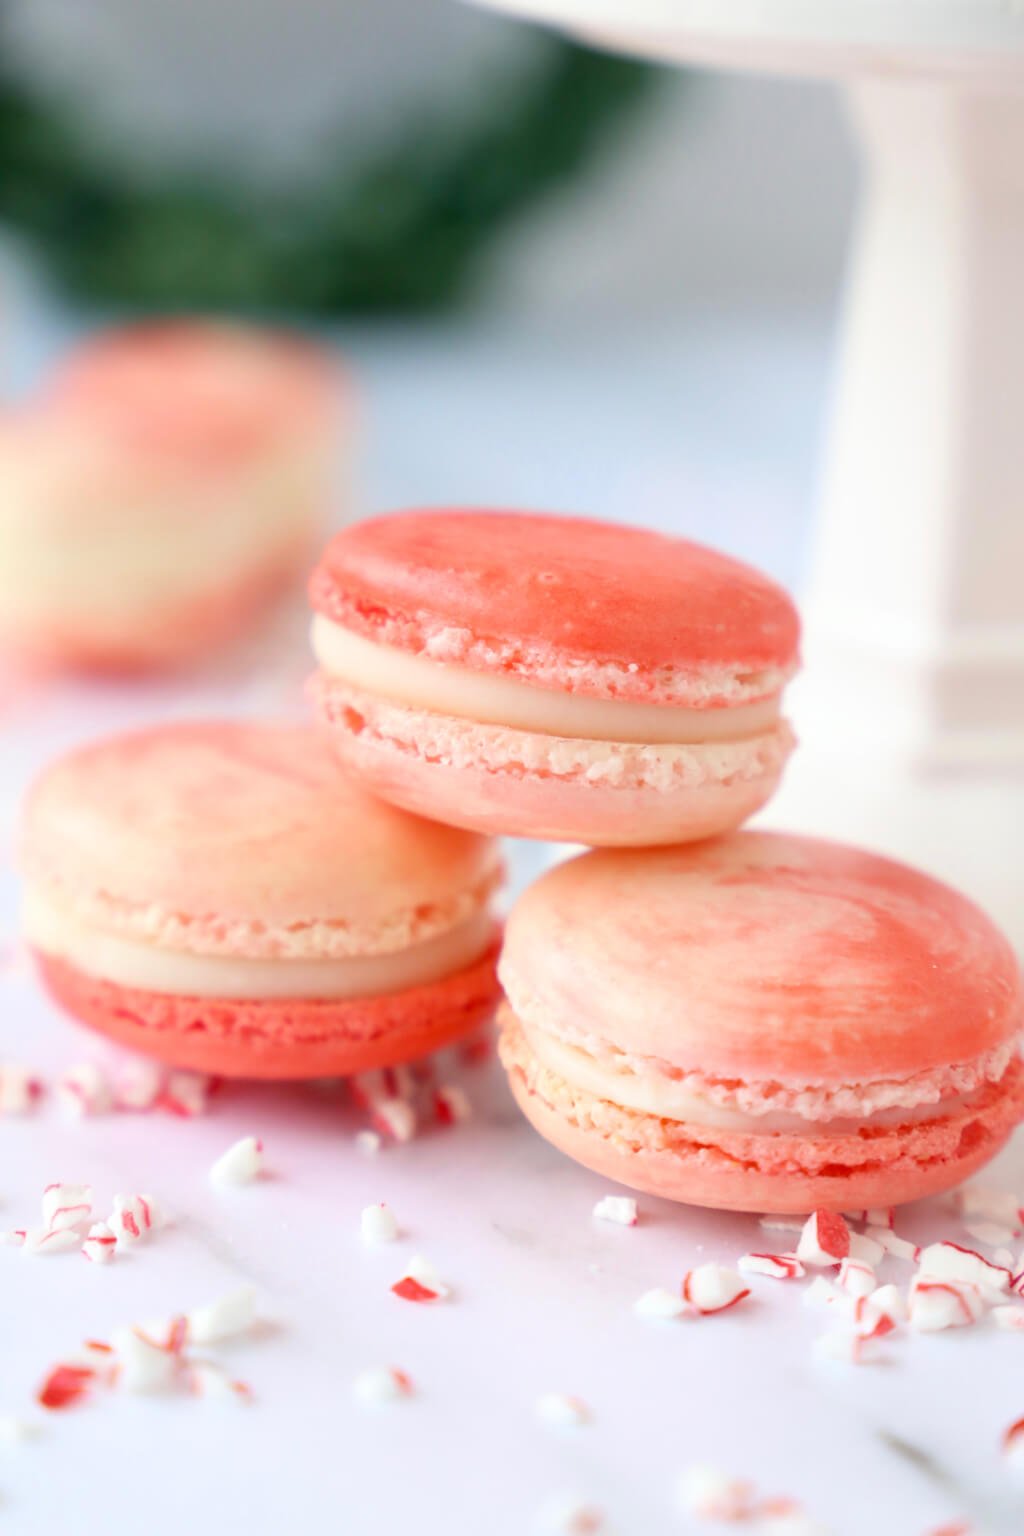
[(552, 677), (221, 896), (168, 484), (763, 1022)]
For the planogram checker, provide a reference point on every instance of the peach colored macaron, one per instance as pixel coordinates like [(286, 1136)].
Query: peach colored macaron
[(763, 1022), (168, 483), (223, 897), (552, 677)]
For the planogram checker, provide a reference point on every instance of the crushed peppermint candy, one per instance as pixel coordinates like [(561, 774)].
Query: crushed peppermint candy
[(561, 1411), (710, 1288), (865, 1249), (100, 1244), (781, 1223), (895, 1247), (186, 1094), (46, 1240), (618, 1209), (451, 1106), (147, 1364), (133, 1218), (420, 1283), (777, 1266), (710, 1494), (242, 1163), (66, 1205), (1013, 1443), (382, 1384), (824, 1240), (659, 1305), (998, 1205), (226, 1318), (138, 1085), (65, 1385), (571, 1516), (1009, 1318), (84, 1091), (990, 1233), (377, 1224), (855, 1278), (20, 1090), (948, 1261), (207, 1379), (935, 1305)]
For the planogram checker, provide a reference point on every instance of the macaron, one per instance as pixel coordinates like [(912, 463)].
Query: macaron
[(221, 896), (763, 1023), (552, 677), (170, 481)]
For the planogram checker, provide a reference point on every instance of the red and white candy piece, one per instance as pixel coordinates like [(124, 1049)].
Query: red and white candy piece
[(382, 1384), (20, 1090), (710, 1494), (824, 1240), (852, 1348), (824, 1293), (186, 1094), (710, 1288), (84, 1090), (138, 1085), (377, 1225), (659, 1305), (988, 1204), (226, 1318), (133, 1218), (887, 1301), (207, 1379), (100, 1245), (776, 1266), (895, 1247), (451, 1106), (66, 1205), (395, 1118), (1011, 1319), (619, 1209), (147, 1364), (1013, 1447), (781, 1223), (571, 1516), (45, 1240), (420, 1283), (242, 1163), (935, 1305), (948, 1261), (855, 1278), (991, 1234), (865, 1250), (561, 1411)]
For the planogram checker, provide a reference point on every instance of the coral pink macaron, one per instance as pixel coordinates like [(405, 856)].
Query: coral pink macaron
[(172, 479), (222, 897), (763, 1022), (552, 677)]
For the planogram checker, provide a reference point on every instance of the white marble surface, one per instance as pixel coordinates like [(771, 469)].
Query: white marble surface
[(542, 1294)]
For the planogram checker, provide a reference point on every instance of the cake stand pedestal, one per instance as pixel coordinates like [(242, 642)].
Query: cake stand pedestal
[(911, 706)]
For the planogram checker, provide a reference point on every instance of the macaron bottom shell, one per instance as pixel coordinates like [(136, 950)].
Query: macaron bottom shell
[(498, 780), (776, 1173), (280, 1038)]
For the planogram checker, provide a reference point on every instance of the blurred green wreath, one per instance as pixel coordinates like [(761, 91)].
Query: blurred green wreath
[(400, 231)]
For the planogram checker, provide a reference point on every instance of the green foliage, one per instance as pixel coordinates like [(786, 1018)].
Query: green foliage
[(400, 232)]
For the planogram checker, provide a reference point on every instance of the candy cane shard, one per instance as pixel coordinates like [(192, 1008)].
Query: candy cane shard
[(570, 1516), (896, 1247), (84, 1090), (134, 1217), (710, 1494), (100, 1245), (138, 1085), (710, 1288), (377, 1225), (225, 1318), (866, 1250), (207, 1379), (855, 1278), (561, 1411), (1011, 1319), (20, 1090), (659, 1305), (66, 1205), (824, 1240), (776, 1266), (451, 1105), (949, 1261), (382, 1384), (420, 1283), (65, 1385), (618, 1209), (186, 1093), (46, 1240), (242, 1163), (997, 1205), (935, 1305)]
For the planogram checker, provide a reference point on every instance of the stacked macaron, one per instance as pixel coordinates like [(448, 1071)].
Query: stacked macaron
[(729, 1018), (168, 483)]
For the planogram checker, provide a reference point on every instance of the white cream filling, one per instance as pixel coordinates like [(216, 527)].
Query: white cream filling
[(146, 967), (443, 689), (671, 1100), (118, 560)]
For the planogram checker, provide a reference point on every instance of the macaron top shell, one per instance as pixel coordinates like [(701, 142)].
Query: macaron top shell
[(197, 391), (587, 607), (243, 839), (764, 957)]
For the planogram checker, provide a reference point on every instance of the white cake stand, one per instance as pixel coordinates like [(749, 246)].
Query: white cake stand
[(911, 709)]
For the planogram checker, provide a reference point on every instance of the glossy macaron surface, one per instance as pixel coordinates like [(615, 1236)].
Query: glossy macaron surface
[(568, 602), (762, 1022)]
